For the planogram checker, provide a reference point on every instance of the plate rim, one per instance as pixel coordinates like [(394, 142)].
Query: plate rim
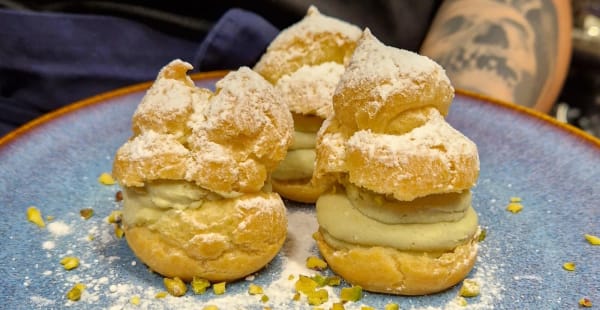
[(126, 90)]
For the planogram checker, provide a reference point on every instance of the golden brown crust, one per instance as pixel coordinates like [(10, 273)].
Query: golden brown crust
[(170, 164), (167, 105), (331, 149), (309, 89), (432, 159), (387, 270), (375, 90), (314, 40), (226, 141), (306, 191), (388, 133), (242, 242)]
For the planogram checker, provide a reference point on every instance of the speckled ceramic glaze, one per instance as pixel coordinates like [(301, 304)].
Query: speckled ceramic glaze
[(53, 164)]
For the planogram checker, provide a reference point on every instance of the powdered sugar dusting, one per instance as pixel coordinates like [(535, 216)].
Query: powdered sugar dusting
[(168, 103), (310, 89), (436, 139), (224, 141), (393, 70), (331, 150), (59, 228), (149, 144), (41, 302), (313, 40), (208, 238), (314, 23), (48, 245)]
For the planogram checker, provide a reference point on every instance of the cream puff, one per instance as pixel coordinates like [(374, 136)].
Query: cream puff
[(305, 62), (194, 175), (400, 220)]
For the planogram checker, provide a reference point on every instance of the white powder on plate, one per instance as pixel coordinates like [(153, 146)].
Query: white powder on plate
[(59, 228), (41, 302), (48, 245)]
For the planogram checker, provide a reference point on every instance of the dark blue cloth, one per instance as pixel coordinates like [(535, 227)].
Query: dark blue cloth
[(48, 60)]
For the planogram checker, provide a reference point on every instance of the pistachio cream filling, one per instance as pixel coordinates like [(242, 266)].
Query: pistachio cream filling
[(303, 140), (299, 161), (339, 244), (342, 221), (297, 165), (206, 229), (429, 209), (148, 203)]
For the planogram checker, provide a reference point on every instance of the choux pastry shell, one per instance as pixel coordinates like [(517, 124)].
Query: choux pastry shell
[(194, 175)]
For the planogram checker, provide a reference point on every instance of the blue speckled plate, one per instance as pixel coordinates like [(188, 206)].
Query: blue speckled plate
[(53, 164)]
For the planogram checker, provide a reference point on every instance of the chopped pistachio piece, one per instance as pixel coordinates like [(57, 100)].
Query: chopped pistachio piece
[(86, 213), (329, 281), (175, 286), (106, 179), (305, 285), (135, 300), (593, 240), (515, 199), (291, 277), (69, 262), (585, 302), (161, 294), (34, 215), (353, 293), (514, 207), (254, 289), (74, 294), (320, 280), (220, 288), (313, 262), (264, 298), (119, 232), (338, 306), (199, 285), (296, 297), (49, 218), (115, 217), (318, 297), (461, 301), (334, 281), (391, 306), (469, 288), (482, 235), (569, 266)]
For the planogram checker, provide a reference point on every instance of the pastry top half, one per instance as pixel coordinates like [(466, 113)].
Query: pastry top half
[(388, 133), (306, 60), (314, 40), (381, 82), (226, 141), (304, 63)]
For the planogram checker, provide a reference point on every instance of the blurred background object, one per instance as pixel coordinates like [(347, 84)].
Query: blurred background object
[(579, 102)]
